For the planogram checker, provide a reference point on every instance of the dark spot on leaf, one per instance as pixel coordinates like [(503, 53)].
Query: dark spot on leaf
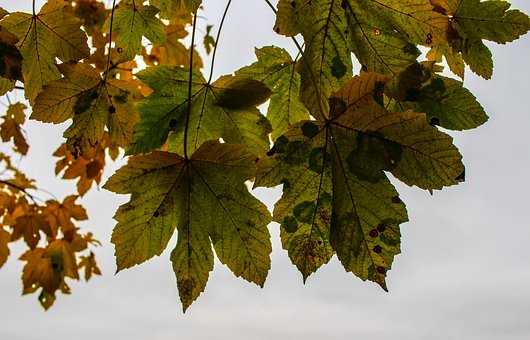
[(429, 38), (377, 249), (437, 85), (325, 198), (439, 9), (120, 50), (304, 211), (316, 160), (381, 227), (434, 121), (242, 93), (413, 94), (411, 49), (172, 123), (280, 146), (112, 109), (286, 184), (84, 101), (290, 224), (373, 233), (373, 155), (379, 90), (338, 69), (310, 129), (156, 214), (381, 270), (396, 200)]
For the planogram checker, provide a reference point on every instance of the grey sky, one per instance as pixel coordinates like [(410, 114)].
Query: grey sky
[(464, 272)]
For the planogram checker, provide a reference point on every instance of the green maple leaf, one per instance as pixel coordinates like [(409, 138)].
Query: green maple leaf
[(224, 109), (206, 200), (326, 62), (276, 69), (92, 103), (473, 21), (381, 33), (336, 196), (52, 33), (133, 21)]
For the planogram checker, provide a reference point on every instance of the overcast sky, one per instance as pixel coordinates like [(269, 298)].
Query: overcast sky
[(464, 272)]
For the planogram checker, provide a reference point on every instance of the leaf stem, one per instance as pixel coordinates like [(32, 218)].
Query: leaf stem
[(217, 40), (188, 111), (19, 188), (301, 52)]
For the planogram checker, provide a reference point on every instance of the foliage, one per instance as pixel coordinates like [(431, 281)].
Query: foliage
[(335, 126)]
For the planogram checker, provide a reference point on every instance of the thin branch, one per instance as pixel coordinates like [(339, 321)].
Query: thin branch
[(188, 112), (33, 8), (301, 52), (19, 188), (217, 40)]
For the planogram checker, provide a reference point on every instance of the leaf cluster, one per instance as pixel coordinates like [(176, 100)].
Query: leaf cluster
[(330, 124)]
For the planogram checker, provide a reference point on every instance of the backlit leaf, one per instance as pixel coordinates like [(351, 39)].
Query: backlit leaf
[(171, 192)]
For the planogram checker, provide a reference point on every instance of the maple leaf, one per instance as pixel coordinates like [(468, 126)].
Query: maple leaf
[(224, 109), (131, 22), (47, 268), (43, 37), (60, 215), (88, 263), (336, 196), (173, 51), (209, 40), (335, 138), (10, 129), (171, 192), (86, 167), (28, 224), (5, 238), (92, 102), (276, 69), (473, 21)]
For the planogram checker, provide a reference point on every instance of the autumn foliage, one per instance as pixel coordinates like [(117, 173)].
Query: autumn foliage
[(363, 97)]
